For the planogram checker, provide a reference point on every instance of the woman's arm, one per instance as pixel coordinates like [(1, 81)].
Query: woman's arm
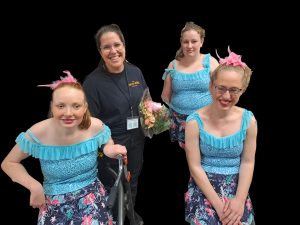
[(247, 162), (234, 208), (167, 89), (194, 162), (112, 150), (12, 166), (213, 64)]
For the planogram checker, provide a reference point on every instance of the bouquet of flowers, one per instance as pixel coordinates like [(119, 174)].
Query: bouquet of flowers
[(154, 117)]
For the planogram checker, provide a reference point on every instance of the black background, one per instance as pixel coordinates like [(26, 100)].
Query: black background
[(40, 41)]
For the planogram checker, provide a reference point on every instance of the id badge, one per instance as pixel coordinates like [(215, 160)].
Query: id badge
[(132, 122)]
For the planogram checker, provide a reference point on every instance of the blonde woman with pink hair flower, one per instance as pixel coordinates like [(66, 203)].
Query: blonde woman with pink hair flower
[(220, 151), (66, 145)]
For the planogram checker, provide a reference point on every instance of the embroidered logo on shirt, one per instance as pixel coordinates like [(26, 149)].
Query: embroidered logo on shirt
[(134, 83)]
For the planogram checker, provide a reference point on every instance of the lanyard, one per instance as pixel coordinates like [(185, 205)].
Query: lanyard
[(127, 84)]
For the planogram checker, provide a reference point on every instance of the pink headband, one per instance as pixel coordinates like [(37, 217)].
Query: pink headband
[(233, 59), (68, 79)]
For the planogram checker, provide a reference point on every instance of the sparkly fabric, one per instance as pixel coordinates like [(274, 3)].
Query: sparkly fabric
[(66, 175), (190, 91), (220, 158), (222, 154), (65, 168)]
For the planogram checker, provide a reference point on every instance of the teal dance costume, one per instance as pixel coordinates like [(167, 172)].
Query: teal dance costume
[(190, 91), (74, 194), (220, 159)]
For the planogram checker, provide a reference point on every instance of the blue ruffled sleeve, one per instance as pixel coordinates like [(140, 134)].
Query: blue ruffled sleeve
[(50, 152), (247, 119), (195, 116), (168, 72), (206, 61)]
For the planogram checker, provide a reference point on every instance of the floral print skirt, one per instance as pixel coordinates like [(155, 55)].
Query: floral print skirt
[(177, 129), (198, 209), (87, 206)]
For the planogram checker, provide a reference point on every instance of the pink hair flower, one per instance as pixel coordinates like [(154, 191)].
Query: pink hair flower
[(68, 79), (233, 59)]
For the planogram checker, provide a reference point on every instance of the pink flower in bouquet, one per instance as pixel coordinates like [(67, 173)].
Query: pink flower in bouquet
[(152, 106), (156, 106), (148, 106)]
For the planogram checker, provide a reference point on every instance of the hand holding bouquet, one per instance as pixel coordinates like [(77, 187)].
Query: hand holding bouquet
[(154, 117)]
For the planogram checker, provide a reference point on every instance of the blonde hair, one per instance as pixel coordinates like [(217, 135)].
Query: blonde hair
[(245, 72)]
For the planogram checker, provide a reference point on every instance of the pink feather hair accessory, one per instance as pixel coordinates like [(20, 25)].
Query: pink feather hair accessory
[(68, 79), (233, 59)]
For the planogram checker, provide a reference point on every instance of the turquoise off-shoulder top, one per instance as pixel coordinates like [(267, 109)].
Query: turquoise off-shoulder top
[(65, 168), (222, 155), (190, 91)]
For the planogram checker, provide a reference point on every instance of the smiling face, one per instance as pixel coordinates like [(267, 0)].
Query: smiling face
[(191, 43), (68, 106), (112, 51), (227, 88)]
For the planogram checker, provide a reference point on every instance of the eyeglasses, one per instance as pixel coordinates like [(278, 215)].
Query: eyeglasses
[(232, 91), (116, 46)]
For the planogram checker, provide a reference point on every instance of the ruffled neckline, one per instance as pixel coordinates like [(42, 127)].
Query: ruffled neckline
[(178, 75), (228, 141), (55, 152)]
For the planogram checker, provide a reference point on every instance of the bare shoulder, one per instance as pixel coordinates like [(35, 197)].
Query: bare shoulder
[(40, 128), (213, 59), (191, 128), (241, 111), (238, 109), (252, 129), (213, 63), (171, 64), (96, 125), (253, 121), (203, 112)]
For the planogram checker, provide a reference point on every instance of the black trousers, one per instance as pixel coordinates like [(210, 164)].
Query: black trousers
[(134, 141)]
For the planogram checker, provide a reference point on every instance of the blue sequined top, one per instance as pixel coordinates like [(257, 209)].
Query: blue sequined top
[(65, 168), (190, 91), (222, 155)]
